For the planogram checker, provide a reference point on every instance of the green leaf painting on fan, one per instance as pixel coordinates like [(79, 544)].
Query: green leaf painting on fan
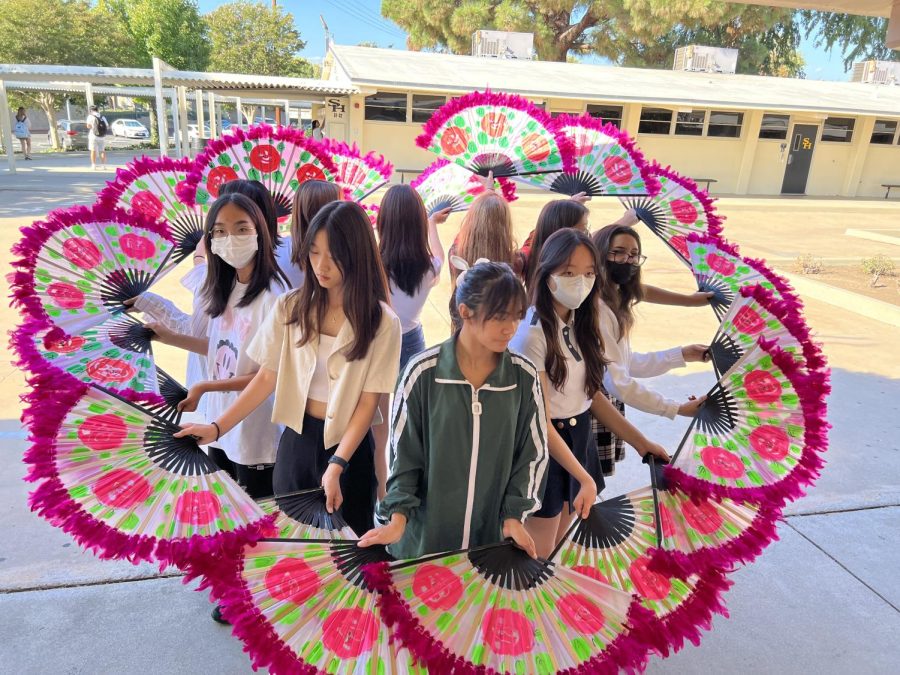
[(719, 270)]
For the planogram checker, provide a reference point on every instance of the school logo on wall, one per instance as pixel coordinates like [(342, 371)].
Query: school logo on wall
[(338, 108)]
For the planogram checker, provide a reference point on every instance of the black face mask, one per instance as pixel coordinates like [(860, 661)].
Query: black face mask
[(621, 273)]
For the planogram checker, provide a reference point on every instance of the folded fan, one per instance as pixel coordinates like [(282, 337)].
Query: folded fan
[(112, 475), (281, 159), (678, 209), (302, 515), (504, 134), (79, 266), (303, 606), (619, 544), (756, 312), (758, 435), (360, 175), (445, 184), (496, 609), (607, 162), (149, 187)]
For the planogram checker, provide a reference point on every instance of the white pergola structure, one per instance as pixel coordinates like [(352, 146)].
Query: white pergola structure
[(885, 8), (168, 86)]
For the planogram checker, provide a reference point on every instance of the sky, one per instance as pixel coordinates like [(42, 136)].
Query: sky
[(355, 21)]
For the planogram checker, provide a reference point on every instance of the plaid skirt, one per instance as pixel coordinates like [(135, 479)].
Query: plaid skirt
[(610, 448)]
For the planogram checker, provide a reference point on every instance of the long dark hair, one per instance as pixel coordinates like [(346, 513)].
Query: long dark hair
[(619, 298), (403, 238), (261, 196), (311, 196), (556, 215), (220, 276), (351, 243), (555, 253), (488, 289)]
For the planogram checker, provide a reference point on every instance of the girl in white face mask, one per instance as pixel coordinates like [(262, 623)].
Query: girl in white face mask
[(561, 335)]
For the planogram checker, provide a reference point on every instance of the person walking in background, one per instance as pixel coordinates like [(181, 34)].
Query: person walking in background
[(318, 128), (98, 128), (22, 131)]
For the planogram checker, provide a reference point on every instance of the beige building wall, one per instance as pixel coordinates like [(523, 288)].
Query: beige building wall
[(882, 165)]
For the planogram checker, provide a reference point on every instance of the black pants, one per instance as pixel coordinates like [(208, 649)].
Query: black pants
[(561, 487), (303, 458), (256, 480)]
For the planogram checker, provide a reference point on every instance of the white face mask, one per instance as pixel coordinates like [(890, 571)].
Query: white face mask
[(236, 250), (570, 292)]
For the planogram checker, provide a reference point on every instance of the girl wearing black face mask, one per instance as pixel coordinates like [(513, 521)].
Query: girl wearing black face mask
[(619, 247)]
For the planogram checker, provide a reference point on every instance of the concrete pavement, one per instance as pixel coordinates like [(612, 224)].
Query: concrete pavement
[(824, 599)]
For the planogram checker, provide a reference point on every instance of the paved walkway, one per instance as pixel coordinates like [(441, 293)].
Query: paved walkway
[(824, 599)]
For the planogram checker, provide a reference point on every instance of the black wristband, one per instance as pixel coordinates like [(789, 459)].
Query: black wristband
[(340, 461), (218, 430)]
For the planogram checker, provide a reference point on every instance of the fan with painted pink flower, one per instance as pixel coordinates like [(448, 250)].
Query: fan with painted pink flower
[(360, 175), (447, 185)]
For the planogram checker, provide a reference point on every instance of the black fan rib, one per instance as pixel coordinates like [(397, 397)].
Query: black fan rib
[(284, 204), (573, 183), (443, 202), (610, 523), (648, 212), (187, 230), (308, 508), (350, 559), (130, 335), (722, 294), (724, 352), (180, 456), (718, 413), (509, 567), (172, 391), (493, 162), (121, 285)]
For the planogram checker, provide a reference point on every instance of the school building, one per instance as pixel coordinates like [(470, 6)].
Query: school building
[(749, 134)]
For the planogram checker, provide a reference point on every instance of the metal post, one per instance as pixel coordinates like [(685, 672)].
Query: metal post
[(183, 121), (213, 116), (240, 114), (176, 129), (89, 94), (68, 107), (160, 109), (6, 127), (198, 99), (287, 113)]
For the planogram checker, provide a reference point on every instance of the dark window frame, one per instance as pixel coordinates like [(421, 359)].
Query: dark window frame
[(851, 127), (738, 126), (367, 107), (413, 109), (616, 120), (890, 138), (644, 123), (772, 136), (684, 122)]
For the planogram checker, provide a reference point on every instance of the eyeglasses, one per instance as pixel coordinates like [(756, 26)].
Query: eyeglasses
[(636, 260)]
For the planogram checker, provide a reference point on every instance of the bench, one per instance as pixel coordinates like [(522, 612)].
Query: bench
[(889, 186), (705, 180)]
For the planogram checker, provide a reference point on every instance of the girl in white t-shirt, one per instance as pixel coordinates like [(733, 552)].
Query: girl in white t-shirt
[(327, 351), (242, 284), (560, 335)]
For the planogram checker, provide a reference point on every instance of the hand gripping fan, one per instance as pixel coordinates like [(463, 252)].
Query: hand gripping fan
[(679, 209), (504, 134), (615, 545), (445, 184), (607, 162), (302, 515), (759, 434), (493, 609), (148, 187), (115, 354), (279, 158), (114, 477), (755, 313), (719, 268), (303, 606), (79, 266), (359, 175)]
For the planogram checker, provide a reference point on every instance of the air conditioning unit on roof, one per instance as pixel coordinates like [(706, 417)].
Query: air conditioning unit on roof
[(876, 72), (500, 44), (700, 59)]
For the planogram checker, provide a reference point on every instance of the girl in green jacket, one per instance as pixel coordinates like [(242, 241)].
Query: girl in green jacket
[(468, 437)]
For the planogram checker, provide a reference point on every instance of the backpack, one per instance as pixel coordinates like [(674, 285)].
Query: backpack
[(100, 126), (20, 130)]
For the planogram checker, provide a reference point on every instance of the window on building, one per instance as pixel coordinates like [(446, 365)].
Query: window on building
[(611, 114), (424, 105), (386, 106), (774, 126), (655, 121), (838, 129), (690, 123), (884, 132), (725, 124)]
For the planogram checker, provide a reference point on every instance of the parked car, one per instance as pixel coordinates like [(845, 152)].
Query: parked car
[(193, 131), (129, 129), (73, 135)]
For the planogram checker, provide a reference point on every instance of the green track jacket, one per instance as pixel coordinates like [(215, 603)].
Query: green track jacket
[(463, 459)]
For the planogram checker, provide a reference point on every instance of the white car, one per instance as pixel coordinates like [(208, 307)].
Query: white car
[(129, 129), (193, 131)]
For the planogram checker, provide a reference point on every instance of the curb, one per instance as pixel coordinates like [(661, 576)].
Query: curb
[(870, 308)]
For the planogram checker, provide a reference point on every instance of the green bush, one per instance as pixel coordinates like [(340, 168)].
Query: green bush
[(809, 264), (878, 266)]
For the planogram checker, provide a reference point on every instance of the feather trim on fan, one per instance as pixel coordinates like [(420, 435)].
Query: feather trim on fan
[(607, 162), (149, 186), (483, 144), (445, 184)]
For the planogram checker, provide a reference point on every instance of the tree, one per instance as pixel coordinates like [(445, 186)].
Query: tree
[(859, 37), (249, 37), (60, 32)]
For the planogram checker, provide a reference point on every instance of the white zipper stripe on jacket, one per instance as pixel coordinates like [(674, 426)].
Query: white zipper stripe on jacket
[(538, 424), (473, 467), (399, 413)]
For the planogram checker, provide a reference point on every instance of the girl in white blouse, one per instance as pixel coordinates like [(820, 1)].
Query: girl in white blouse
[(327, 351)]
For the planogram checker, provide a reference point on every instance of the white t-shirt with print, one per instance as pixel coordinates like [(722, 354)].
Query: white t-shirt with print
[(255, 440)]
